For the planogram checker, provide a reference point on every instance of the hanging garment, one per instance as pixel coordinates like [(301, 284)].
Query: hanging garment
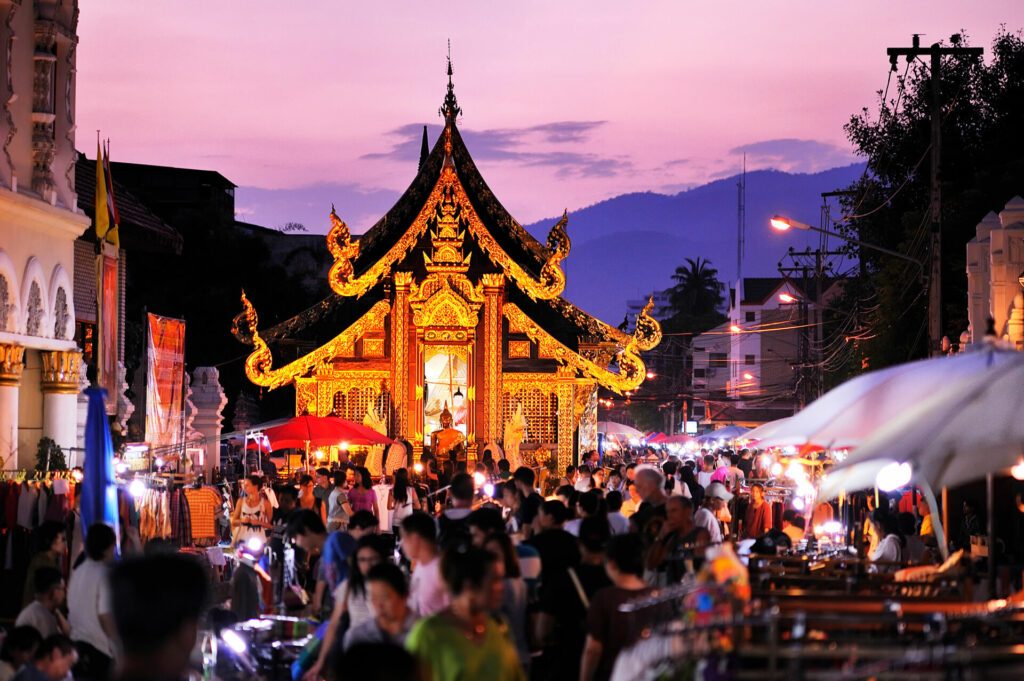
[(203, 504), (28, 501)]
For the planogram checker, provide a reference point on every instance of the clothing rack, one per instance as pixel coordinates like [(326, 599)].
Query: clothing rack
[(668, 594)]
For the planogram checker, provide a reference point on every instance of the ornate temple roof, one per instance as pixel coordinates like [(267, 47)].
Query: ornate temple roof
[(360, 274)]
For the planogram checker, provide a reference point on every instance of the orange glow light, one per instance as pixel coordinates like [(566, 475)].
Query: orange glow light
[(735, 328), (780, 223), (786, 298)]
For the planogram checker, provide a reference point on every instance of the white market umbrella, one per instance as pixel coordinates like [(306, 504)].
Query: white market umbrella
[(766, 430), (618, 430), (849, 414), (973, 427), (727, 434)]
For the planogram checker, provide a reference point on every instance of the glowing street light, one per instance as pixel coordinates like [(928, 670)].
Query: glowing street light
[(783, 224), (735, 328), (748, 376), (780, 223), (787, 298)]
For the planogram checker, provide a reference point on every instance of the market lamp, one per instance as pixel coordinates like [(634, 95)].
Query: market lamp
[(1018, 469), (458, 398), (893, 476)]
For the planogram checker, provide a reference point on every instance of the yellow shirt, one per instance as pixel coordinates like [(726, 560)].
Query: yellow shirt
[(926, 525)]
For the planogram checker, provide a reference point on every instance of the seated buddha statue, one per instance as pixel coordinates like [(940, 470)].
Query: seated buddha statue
[(444, 442)]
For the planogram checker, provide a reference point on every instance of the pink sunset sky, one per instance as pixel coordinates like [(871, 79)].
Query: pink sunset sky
[(565, 103)]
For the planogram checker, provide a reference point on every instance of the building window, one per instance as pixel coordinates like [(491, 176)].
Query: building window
[(699, 373), (751, 316), (719, 359), (748, 359)]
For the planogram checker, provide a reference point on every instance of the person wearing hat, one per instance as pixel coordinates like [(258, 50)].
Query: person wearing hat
[(715, 498)]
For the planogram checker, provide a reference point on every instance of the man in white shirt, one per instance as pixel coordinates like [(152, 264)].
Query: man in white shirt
[(89, 608), (42, 614), (707, 467), (427, 592), (716, 497), (618, 523)]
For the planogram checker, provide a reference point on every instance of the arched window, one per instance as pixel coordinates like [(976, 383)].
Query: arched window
[(338, 408), (60, 314), (35, 310)]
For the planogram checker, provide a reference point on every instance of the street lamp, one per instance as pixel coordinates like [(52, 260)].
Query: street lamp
[(781, 223), (735, 328), (787, 298)]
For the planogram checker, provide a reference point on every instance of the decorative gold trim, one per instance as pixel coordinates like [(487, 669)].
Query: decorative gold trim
[(647, 333), (447, 191), (565, 424), (60, 371), (344, 251), (12, 363), (632, 370), (552, 278), (493, 284), (373, 348), (400, 351), (445, 308), (512, 383), (258, 365), (519, 349)]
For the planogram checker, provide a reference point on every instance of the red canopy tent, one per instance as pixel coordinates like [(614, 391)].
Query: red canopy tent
[(322, 431)]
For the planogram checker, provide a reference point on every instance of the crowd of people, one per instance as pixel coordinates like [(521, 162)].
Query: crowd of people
[(457, 575)]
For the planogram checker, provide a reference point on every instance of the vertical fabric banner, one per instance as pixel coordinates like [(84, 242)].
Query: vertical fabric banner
[(107, 306), (165, 378)]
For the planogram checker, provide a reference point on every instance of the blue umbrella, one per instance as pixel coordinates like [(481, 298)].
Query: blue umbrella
[(99, 494)]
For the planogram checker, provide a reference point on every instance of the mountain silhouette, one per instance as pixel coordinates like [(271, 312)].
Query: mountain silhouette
[(628, 246)]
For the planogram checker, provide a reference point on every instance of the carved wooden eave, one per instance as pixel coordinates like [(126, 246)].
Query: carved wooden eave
[(343, 280), (632, 370), (259, 364)]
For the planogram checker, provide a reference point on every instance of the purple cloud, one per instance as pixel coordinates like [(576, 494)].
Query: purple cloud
[(794, 155), (522, 146)]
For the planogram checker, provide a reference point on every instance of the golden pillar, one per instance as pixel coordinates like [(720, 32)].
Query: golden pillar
[(566, 412), (400, 352), (493, 288), (12, 363), (59, 383)]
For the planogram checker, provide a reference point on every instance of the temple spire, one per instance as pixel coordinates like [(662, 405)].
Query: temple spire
[(424, 149), (450, 109)]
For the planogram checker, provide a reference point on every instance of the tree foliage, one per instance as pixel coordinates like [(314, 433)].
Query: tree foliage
[(982, 167), (696, 297)]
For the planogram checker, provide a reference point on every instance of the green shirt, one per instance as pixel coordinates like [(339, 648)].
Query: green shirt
[(448, 655)]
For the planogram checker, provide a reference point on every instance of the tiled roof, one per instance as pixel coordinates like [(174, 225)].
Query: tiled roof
[(140, 227)]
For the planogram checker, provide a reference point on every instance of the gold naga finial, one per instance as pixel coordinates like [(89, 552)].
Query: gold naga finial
[(647, 334), (552, 277), (344, 250), (259, 361)]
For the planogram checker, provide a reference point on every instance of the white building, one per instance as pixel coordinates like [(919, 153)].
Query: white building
[(995, 275), (39, 222), (746, 370)]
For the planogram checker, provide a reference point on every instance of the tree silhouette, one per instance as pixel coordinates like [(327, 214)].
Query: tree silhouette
[(697, 292)]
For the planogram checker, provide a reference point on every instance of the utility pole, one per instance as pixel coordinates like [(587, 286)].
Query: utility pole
[(806, 390), (936, 52)]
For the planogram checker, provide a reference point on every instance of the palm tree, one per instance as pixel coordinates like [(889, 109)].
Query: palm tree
[(697, 292)]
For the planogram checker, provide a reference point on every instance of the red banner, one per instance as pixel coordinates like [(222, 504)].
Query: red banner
[(165, 378), (107, 328)]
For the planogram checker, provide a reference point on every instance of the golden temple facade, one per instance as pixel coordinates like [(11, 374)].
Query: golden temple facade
[(448, 303)]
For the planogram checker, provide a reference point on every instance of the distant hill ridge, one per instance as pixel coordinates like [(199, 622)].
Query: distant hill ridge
[(629, 245)]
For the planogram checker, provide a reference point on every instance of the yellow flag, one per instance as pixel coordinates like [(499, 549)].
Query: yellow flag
[(102, 219)]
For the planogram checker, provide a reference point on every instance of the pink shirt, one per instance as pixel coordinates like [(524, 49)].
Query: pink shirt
[(428, 594), (720, 475)]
